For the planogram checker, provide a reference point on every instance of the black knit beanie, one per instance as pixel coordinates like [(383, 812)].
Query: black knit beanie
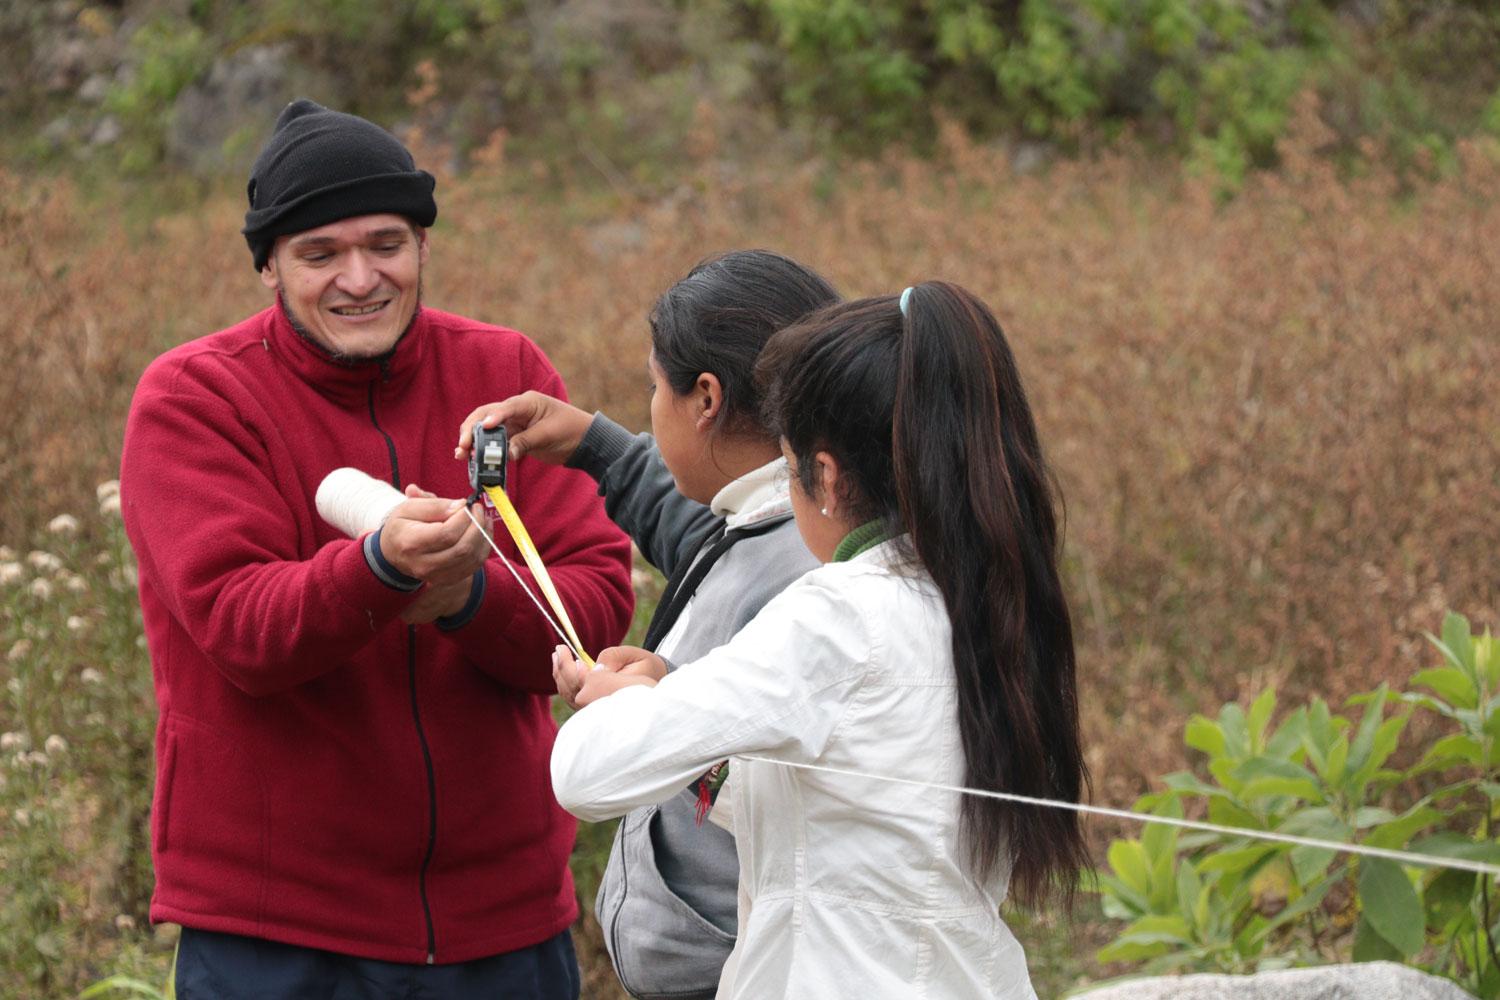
[(321, 166)]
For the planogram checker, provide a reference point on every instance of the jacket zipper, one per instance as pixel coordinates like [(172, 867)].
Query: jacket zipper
[(416, 712)]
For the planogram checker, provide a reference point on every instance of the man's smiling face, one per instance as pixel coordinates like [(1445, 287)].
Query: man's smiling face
[(351, 286)]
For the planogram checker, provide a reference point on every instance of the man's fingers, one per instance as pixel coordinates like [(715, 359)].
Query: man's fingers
[(426, 509)]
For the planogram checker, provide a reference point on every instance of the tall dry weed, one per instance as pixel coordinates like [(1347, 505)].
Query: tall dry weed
[(1273, 418)]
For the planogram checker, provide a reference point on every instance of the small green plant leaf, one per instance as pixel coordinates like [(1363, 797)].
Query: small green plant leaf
[(1237, 859), (1338, 757), (1452, 750), (1265, 777), (1205, 736), (1127, 858), (1369, 946), (1391, 906), (1449, 683), (1397, 832), (1449, 844), (1448, 896), (1236, 735), (1259, 718), (1459, 640), (1148, 937), (1309, 863), (1287, 741), (122, 985)]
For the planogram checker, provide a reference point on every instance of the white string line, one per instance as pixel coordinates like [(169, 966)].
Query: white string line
[(1405, 857), (545, 613)]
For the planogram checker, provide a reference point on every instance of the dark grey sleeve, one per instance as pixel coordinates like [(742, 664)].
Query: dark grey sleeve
[(639, 494)]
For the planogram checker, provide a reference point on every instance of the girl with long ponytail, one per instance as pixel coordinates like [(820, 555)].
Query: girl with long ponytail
[(933, 647)]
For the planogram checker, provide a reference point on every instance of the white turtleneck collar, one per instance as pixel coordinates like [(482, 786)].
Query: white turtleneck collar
[(757, 495)]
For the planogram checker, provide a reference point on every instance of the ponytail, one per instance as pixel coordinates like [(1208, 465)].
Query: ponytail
[(920, 402)]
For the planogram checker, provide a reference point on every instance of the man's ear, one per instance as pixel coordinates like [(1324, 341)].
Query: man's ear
[(708, 400), (268, 275), (421, 232)]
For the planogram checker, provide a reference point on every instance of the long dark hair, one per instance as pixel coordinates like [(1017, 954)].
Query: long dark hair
[(925, 415), (718, 317)]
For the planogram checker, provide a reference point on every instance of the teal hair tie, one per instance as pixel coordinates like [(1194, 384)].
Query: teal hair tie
[(905, 301)]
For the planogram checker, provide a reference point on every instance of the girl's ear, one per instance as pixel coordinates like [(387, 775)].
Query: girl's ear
[(827, 478), (708, 401)]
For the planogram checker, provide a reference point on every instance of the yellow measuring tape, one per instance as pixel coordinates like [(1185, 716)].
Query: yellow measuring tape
[(538, 569)]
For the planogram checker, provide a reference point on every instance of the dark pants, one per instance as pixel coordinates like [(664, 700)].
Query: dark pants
[(213, 966)]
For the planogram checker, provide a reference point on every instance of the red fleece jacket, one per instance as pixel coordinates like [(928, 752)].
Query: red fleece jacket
[(327, 775)]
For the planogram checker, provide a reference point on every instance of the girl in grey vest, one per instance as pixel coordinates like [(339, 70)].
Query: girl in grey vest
[(705, 498)]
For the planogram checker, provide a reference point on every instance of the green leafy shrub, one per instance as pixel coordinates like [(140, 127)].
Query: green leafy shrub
[(168, 53), (1198, 901)]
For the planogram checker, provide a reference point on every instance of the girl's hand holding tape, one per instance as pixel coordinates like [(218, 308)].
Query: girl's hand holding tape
[(619, 666), (538, 424)]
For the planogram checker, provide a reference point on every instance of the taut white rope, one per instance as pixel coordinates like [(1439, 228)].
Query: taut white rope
[(1404, 857), (529, 593)]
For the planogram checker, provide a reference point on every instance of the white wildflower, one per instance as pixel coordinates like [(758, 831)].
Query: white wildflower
[(13, 741), (20, 649), (103, 559), (140, 642), (91, 676), (76, 583), (41, 588), (43, 560), (108, 488), (55, 745), (94, 718), (22, 817), (125, 922), (76, 623), (38, 759), (63, 524), (110, 505), (6, 552), (13, 686), (10, 572)]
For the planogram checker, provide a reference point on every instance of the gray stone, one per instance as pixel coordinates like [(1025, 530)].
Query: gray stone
[(1364, 981), (107, 132), (217, 121), (94, 89), (59, 132)]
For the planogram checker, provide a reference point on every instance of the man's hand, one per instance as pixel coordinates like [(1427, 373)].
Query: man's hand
[(620, 666), (437, 602), (433, 540), (538, 425)]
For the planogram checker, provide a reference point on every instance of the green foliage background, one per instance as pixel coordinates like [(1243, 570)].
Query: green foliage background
[(619, 83)]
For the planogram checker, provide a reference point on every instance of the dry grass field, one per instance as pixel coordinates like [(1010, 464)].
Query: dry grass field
[(1275, 417)]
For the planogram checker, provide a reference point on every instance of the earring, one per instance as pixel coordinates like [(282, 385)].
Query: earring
[(825, 511)]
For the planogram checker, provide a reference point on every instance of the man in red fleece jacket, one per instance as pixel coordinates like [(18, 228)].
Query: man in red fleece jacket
[(352, 792)]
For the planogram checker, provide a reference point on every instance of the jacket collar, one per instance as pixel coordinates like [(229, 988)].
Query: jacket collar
[(341, 381), (758, 495)]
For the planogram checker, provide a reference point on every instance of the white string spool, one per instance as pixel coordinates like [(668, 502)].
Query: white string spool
[(356, 502)]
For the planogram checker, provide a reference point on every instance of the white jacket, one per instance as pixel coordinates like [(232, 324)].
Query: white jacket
[(849, 887)]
